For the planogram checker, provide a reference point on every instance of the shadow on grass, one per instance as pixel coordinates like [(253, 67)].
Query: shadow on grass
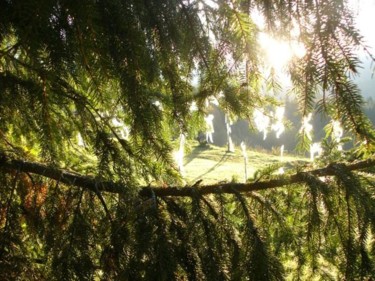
[(218, 164), (195, 153)]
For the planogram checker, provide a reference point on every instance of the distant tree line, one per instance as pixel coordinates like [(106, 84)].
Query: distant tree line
[(242, 130)]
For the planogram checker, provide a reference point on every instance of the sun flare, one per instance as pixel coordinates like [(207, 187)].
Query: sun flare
[(278, 53)]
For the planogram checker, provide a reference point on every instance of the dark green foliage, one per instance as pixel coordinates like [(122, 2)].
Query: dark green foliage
[(326, 227)]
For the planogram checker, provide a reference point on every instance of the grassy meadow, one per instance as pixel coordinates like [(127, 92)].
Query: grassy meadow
[(214, 164)]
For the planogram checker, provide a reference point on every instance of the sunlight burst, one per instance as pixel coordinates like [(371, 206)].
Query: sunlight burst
[(278, 52)]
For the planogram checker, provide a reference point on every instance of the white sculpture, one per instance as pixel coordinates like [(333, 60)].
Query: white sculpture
[(337, 133), (193, 107), (209, 128), (306, 127), (315, 148), (244, 154), (262, 122), (228, 124), (158, 104), (279, 127), (281, 169), (121, 129), (179, 155), (80, 141)]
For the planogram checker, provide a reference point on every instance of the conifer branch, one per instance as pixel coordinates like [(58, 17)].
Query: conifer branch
[(92, 184)]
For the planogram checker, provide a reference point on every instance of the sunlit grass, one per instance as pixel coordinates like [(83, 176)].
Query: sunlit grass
[(214, 164)]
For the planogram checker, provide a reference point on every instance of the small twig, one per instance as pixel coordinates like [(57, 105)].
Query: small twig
[(99, 194)]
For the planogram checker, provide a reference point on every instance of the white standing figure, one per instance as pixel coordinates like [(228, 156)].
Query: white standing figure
[(281, 169), (278, 126), (213, 100), (104, 114), (315, 148), (282, 152), (244, 154), (124, 133), (337, 133), (193, 107), (228, 123), (209, 128), (179, 155), (221, 95), (121, 129), (80, 141), (306, 127), (158, 104), (262, 122), (117, 123)]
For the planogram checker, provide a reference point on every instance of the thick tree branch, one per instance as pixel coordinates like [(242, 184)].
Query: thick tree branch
[(94, 185), (60, 175)]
